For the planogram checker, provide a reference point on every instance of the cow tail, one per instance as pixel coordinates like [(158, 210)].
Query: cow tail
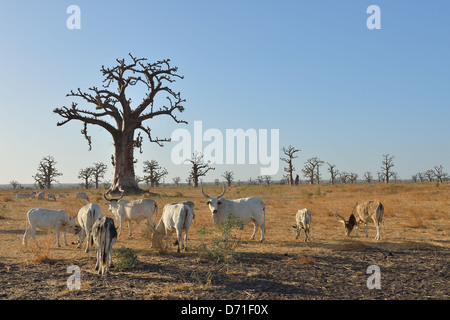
[(381, 208), (103, 246), (156, 212), (90, 234)]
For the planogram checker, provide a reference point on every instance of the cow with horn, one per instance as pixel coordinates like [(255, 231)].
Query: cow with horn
[(246, 209)]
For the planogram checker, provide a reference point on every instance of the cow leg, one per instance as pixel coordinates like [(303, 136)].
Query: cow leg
[(111, 264), (57, 237), (65, 239), (129, 228), (263, 228), (186, 240), (88, 236), (357, 229), (255, 228), (25, 236), (378, 225), (179, 236), (81, 238), (167, 233)]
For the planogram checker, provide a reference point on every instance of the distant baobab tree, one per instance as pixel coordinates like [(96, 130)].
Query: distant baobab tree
[(333, 172), (439, 173), (386, 167), (155, 173), (198, 169), (46, 173), (229, 177), (112, 109), (311, 170), (289, 152)]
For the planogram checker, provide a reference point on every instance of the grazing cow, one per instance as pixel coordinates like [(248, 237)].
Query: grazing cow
[(303, 221), (81, 195), (51, 196), (61, 196), (176, 216), (24, 196), (87, 215), (246, 209), (40, 195), (364, 212), (46, 219), (127, 211), (105, 235)]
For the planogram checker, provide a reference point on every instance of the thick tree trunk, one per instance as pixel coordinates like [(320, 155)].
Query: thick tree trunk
[(124, 177)]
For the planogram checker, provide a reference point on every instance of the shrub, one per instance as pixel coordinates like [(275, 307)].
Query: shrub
[(126, 258)]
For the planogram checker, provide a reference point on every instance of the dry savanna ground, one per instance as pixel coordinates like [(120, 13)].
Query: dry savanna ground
[(413, 253)]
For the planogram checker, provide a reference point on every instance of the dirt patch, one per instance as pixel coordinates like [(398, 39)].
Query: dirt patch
[(406, 273), (413, 260)]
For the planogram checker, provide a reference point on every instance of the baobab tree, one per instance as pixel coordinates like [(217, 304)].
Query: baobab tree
[(98, 172), (229, 176), (311, 170), (155, 173), (113, 110), (333, 172), (199, 168), (386, 167), (46, 173), (439, 173), (289, 152)]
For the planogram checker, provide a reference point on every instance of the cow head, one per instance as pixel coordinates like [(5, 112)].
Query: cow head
[(114, 205), (214, 203), (70, 226), (348, 224)]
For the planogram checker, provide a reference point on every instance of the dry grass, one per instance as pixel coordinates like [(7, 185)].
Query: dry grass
[(415, 215)]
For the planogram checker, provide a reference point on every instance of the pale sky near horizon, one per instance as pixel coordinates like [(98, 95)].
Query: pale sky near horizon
[(311, 69)]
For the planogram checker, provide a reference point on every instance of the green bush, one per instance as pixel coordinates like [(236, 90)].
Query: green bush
[(126, 258)]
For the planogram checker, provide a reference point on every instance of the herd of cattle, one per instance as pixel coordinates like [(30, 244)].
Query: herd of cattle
[(101, 231)]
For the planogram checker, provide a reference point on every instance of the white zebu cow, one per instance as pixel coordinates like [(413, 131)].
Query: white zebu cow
[(24, 196), (303, 221), (127, 211), (246, 209), (364, 212), (40, 195), (46, 219), (81, 195), (105, 235), (87, 215), (175, 216)]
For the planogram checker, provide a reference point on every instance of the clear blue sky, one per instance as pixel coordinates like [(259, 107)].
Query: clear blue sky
[(311, 69)]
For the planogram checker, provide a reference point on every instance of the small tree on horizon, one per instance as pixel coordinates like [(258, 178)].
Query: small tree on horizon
[(46, 173)]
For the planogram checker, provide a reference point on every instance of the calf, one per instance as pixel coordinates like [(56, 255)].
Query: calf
[(46, 219), (363, 212), (303, 221), (105, 235), (87, 215), (178, 217)]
